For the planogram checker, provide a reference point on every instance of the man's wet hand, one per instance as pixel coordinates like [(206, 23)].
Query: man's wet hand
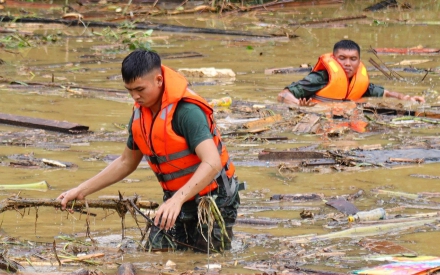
[(167, 214), (306, 102), (67, 196), (419, 99)]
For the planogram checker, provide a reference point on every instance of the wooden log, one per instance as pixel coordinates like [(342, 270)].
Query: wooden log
[(126, 269), (287, 70), (138, 26), (305, 125), (283, 155), (82, 258), (289, 3), (52, 125), (297, 197), (260, 221), (416, 160), (408, 50), (329, 20), (264, 121), (19, 203), (274, 138)]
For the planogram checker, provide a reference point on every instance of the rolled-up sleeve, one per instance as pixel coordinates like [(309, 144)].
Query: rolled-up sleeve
[(309, 85), (374, 91)]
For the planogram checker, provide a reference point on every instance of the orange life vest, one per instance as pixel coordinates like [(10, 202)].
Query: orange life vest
[(166, 152), (338, 87)]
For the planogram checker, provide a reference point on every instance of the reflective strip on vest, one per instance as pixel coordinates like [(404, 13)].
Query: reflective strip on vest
[(171, 176), (137, 114), (181, 154), (165, 111)]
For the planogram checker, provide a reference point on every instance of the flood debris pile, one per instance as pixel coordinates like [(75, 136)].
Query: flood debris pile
[(351, 237), (69, 251), (337, 127)]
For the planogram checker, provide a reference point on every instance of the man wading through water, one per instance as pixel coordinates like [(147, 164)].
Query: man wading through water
[(338, 76), (175, 130)]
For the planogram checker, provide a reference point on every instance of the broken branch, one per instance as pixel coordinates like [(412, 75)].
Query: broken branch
[(20, 203)]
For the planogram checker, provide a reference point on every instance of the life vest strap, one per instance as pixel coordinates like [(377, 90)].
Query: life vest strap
[(171, 176), (326, 99), (228, 184), (163, 159)]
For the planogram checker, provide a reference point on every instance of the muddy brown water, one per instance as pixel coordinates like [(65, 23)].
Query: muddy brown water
[(34, 64)]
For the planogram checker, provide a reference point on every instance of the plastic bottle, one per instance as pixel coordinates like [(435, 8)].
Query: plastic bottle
[(222, 102), (372, 215)]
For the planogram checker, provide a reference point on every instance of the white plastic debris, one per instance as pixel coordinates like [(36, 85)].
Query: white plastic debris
[(207, 72)]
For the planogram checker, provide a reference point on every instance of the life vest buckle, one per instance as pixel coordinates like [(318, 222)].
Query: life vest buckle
[(152, 159), (160, 177)]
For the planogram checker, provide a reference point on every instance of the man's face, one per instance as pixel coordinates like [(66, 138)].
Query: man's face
[(349, 60), (147, 90)]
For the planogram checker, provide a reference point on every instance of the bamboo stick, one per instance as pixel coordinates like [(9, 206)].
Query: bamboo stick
[(373, 230), (398, 194), (36, 186)]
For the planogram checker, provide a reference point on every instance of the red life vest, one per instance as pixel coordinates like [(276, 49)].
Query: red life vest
[(338, 87), (167, 153)]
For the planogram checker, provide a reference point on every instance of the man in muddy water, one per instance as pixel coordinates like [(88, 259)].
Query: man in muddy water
[(174, 129), (338, 76)]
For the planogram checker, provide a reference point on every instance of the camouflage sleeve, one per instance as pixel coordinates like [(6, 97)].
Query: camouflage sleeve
[(374, 91), (310, 85)]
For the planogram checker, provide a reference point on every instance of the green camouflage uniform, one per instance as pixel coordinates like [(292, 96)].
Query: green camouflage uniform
[(315, 81)]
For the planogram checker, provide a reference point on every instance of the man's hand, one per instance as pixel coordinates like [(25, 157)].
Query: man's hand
[(287, 97), (69, 195), (419, 99), (306, 102), (168, 212), (400, 96)]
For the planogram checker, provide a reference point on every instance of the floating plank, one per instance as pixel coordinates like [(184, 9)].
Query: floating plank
[(297, 197), (318, 162), (283, 155), (274, 138), (291, 3), (287, 70), (180, 55), (408, 50), (51, 125), (263, 122), (306, 124)]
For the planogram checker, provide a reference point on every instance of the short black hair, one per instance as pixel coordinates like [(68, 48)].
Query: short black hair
[(347, 45), (139, 63)]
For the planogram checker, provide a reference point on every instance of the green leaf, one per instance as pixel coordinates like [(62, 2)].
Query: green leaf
[(148, 33)]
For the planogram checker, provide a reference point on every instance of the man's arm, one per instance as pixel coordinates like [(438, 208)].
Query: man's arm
[(300, 92), (209, 167), (403, 97), (287, 97), (116, 171)]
